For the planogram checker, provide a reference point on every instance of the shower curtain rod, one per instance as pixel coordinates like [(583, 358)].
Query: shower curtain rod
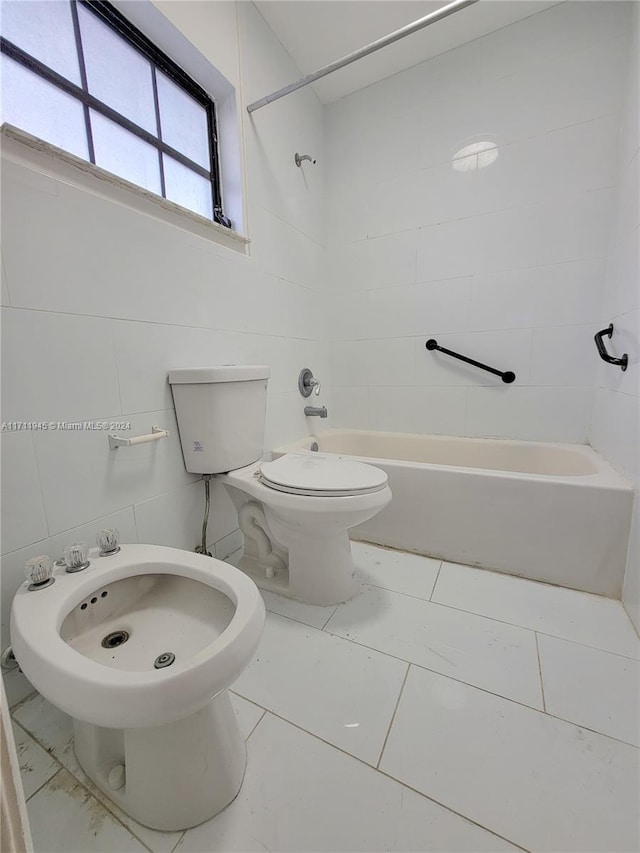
[(407, 30)]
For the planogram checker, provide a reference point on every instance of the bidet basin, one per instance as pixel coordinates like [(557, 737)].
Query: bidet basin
[(139, 639), (136, 621)]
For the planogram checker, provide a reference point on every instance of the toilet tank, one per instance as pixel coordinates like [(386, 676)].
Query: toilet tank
[(221, 415)]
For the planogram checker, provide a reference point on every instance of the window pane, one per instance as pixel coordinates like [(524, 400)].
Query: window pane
[(117, 74), (122, 153), (32, 104), (44, 30), (183, 122), (187, 188)]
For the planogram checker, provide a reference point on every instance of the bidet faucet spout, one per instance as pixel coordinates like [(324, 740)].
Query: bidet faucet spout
[(315, 411)]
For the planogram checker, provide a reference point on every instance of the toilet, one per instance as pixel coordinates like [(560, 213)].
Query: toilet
[(296, 511)]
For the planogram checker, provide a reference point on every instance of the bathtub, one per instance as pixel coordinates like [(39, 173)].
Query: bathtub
[(550, 512)]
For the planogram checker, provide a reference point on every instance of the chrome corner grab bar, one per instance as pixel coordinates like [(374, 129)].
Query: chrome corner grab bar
[(622, 362)]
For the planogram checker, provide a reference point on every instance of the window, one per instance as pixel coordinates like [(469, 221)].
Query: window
[(77, 74)]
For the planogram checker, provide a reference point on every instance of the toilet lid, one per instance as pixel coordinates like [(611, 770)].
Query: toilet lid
[(324, 476)]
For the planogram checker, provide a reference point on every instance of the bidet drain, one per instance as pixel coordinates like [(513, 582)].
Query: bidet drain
[(115, 639), (165, 659)]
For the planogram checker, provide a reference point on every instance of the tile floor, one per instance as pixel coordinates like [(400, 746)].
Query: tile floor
[(443, 709)]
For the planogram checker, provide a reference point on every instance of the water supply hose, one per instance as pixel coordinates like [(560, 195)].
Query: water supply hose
[(202, 548)]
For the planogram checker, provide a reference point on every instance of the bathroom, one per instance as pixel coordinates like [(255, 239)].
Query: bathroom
[(475, 183)]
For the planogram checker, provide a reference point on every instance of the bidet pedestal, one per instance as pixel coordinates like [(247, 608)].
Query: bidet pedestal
[(176, 775)]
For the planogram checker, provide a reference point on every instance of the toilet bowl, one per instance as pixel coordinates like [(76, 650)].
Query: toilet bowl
[(295, 513), (140, 649)]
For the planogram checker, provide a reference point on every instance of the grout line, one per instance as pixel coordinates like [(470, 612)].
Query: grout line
[(394, 779), (397, 592), (251, 702), (453, 811), (300, 622), (320, 738), (481, 689), (450, 677), (330, 617), (544, 704), (547, 585), (544, 633), (44, 784), (262, 716), (114, 354), (444, 675), (435, 584), (485, 690), (243, 332), (77, 526), (393, 716), (635, 627), (179, 841), (40, 493), (19, 704), (82, 784), (135, 522)]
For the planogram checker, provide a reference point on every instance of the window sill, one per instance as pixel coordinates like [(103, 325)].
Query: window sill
[(23, 148)]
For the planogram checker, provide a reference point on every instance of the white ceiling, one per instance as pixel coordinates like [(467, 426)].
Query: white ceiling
[(316, 32)]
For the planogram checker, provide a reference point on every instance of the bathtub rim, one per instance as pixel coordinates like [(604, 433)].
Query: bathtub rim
[(604, 477)]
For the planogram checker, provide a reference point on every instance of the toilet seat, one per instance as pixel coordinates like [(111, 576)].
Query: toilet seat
[(321, 476)]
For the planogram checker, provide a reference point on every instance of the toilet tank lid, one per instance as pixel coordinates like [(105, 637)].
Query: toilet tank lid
[(220, 373)]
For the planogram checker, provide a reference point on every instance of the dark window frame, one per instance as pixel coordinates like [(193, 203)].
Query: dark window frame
[(158, 61)]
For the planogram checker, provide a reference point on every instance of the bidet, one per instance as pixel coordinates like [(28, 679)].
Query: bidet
[(140, 649)]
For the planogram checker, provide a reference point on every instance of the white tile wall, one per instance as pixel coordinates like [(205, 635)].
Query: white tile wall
[(379, 262), (23, 515), (104, 300), (435, 306), (533, 414), (78, 383), (516, 250), (13, 562), (615, 430)]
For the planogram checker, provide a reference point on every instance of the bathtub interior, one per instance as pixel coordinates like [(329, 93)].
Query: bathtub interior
[(480, 453)]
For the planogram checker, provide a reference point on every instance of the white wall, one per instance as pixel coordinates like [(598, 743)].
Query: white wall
[(505, 264), (100, 301), (616, 415)]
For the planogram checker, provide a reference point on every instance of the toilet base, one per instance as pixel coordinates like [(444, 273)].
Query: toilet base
[(319, 572), (176, 775)]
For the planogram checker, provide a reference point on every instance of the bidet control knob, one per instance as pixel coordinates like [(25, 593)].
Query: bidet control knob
[(38, 571), (107, 541), (76, 557)]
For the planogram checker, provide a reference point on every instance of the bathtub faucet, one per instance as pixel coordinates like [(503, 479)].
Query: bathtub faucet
[(315, 411)]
